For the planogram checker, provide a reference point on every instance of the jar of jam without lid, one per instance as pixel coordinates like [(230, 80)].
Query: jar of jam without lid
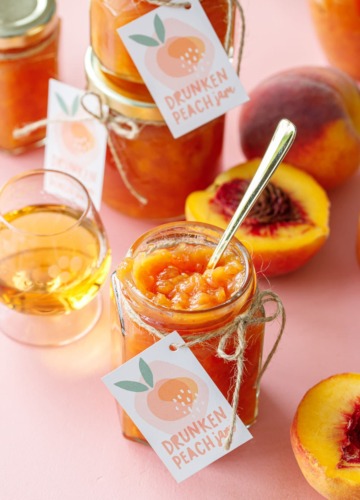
[(106, 16), (161, 169), (163, 284), (29, 33)]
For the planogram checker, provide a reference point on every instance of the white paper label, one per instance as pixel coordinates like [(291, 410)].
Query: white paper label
[(176, 406), (184, 65), (76, 141)]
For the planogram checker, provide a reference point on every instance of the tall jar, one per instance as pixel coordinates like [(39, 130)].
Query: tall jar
[(106, 16), (29, 35), (187, 246), (154, 165)]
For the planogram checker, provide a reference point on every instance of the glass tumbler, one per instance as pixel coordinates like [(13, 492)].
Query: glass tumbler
[(54, 257)]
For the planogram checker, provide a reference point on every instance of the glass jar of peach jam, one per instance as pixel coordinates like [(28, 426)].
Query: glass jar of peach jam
[(106, 16), (161, 169), (163, 283), (29, 33)]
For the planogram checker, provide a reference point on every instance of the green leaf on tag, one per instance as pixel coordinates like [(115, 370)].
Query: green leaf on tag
[(146, 372), (159, 28), (128, 385), (75, 105), (62, 103), (144, 40)]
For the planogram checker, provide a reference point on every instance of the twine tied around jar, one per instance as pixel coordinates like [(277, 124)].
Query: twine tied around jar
[(235, 330), (229, 23), (128, 128)]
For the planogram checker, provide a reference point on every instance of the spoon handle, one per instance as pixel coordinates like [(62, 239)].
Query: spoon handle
[(280, 143)]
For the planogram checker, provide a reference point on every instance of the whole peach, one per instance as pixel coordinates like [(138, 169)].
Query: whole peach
[(324, 104), (337, 25)]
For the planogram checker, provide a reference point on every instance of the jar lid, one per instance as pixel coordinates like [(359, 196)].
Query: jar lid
[(118, 98), (22, 21)]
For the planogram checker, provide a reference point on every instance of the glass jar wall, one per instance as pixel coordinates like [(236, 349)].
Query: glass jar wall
[(29, 35), (187, 246)]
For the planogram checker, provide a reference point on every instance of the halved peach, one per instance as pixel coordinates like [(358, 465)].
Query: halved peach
[(325, 436), (287, 225)]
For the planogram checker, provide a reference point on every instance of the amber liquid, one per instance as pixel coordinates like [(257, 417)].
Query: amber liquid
[(52, 274)]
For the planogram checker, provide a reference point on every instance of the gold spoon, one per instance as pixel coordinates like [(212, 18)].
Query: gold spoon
[(279, 145)]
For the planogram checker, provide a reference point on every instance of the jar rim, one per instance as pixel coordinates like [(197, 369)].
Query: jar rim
[(20, 27), (249, 278), (114, 96)]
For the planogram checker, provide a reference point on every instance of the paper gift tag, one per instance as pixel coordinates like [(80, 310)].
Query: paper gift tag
[(75, 141), (176, 406), (184, 65)]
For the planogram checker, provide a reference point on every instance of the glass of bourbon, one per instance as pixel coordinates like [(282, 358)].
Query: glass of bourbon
[(54, 258)]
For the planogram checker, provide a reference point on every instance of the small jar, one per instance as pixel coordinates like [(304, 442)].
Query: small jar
[(106, 16), (29, 33), (189, 242), (161, 169), (337, 25)]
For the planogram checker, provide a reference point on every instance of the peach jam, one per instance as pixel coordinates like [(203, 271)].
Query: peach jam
[(29, 33), (106, 16), (159, 168), (163, 280)]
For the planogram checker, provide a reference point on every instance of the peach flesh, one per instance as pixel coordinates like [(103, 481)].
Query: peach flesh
[(325, 436), (273, 208), (280, 248)]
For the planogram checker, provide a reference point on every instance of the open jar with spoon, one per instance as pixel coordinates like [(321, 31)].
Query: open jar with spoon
[(195, 279)]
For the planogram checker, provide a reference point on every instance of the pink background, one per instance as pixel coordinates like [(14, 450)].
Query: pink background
[(59, 432)]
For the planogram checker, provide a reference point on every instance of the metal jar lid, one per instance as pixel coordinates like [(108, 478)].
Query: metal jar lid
[(24, 22), (117, 98)]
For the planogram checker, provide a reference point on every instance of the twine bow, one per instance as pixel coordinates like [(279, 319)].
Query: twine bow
[(236, 329), (123, 127)]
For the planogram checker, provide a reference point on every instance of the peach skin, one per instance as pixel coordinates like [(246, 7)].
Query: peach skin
[(324, 105), (337, 25)]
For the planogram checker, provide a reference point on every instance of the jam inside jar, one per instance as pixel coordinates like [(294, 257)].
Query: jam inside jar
[(163, 283), (29, 38), (106, 16)]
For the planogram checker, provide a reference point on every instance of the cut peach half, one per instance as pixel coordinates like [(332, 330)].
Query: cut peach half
[(325, 436), (285, 228)]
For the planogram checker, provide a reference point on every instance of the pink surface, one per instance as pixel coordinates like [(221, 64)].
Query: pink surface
[(59, 431)]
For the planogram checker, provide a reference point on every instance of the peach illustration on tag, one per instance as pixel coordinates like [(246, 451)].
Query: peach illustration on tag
[(187, 54), (76, 137), (163, 398)]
